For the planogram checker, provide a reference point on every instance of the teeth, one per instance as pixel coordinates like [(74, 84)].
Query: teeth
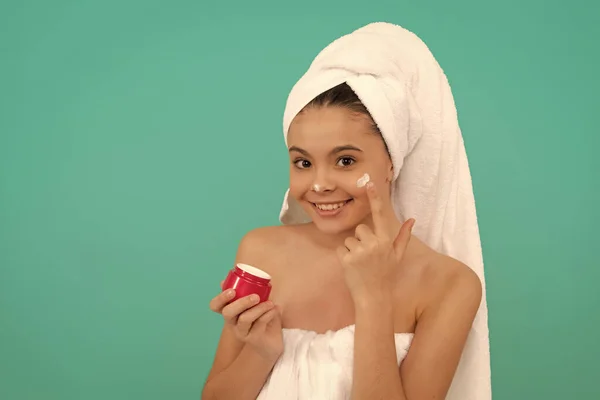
[(330, 207)]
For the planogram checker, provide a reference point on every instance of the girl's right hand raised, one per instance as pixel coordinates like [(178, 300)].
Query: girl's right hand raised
[(257, 325)]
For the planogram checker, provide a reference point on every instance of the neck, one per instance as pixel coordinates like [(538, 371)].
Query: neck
[(333, 240)]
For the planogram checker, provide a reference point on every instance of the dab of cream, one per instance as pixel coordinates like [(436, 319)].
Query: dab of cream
[(363, 180)]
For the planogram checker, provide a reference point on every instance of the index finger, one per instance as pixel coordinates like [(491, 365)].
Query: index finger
[(221, 300), (379, 210)]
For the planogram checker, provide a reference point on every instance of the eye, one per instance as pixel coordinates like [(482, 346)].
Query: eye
[(346, 161), (302, 164)]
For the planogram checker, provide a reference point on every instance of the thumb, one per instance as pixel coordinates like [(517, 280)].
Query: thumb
[(403, 237)]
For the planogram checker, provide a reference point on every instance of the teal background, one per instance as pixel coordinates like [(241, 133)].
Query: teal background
[(131, 133)]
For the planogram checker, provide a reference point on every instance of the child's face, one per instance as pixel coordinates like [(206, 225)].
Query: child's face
[(330, 149)]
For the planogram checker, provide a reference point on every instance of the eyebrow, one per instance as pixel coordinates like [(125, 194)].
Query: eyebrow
[(335, 150)]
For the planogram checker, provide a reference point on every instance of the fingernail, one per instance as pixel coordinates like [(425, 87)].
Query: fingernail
[(370, 185), (229, 292), (254, 298)]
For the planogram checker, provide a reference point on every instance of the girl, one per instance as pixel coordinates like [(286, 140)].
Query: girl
[(360, 308)]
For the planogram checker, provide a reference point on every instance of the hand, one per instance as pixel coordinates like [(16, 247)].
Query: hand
[(371, 257), (257, 325)]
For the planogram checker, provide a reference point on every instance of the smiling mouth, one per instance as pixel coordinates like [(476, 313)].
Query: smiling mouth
[(330, 208)]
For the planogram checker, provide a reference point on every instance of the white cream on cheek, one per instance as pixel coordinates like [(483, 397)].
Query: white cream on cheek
[(363, 180)]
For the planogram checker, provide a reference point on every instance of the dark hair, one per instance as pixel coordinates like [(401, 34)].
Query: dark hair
[(343, 96)]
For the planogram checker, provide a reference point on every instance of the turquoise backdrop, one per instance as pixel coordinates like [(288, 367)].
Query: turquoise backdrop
[(131, 133)]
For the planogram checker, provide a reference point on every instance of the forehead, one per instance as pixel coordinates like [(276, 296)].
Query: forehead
[(328, 127)]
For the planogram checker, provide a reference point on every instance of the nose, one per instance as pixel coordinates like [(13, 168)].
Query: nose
[(322, 182)]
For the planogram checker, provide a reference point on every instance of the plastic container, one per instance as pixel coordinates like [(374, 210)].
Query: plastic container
[(247, 280)]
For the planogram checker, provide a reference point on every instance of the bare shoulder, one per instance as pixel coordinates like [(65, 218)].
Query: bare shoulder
[(267, 246), (261, 236), (443, 281), (278, 235), (453, 283)]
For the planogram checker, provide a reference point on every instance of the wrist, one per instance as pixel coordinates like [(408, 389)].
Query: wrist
[(265, 357), (374, 302), (374, 317)]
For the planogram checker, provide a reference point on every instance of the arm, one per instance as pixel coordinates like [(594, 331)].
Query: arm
[(248, 370), (428, 370), (236, 361), (375, 368)]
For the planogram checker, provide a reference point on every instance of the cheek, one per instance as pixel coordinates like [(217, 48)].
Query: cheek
[(299, 183), (379, 179), (360, 194)]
